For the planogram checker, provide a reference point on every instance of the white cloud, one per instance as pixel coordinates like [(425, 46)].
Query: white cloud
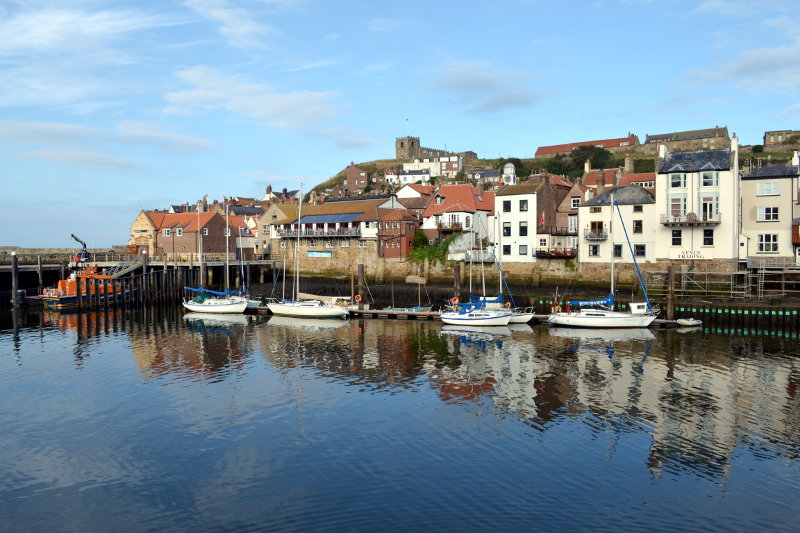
[(141, 132), (768, 68), (238, 26), (89, 160), (237, 94), (46, 132), (482, 88), (791, 111)]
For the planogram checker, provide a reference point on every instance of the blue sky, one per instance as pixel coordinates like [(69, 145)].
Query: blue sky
[(109, 107)]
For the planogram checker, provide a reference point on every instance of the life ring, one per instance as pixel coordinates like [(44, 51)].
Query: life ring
[(507, 305), (555, 309), (454, 300), (357, 298)]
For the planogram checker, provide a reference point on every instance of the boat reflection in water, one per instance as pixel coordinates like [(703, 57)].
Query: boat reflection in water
[(216, 319), (308, 324)]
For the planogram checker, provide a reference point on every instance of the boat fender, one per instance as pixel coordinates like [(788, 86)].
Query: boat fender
[(556, 309), (358, 298), (454, 300), (456, 309), (507, 305)]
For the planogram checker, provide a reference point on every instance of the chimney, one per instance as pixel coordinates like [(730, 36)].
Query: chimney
[(734, 143), (269, 189), (617, 177), (628, 164), (285, 192), (601, 183), (796, 159), (481, 187), (587, 166), (662, 151)]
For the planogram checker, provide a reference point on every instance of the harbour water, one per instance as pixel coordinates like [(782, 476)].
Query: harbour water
[(148, 420)]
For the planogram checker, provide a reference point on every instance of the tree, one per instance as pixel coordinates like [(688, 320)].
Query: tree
[(420, 239), (758, 148)]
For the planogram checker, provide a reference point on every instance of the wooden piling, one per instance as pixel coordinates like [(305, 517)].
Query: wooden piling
[(361, 286), (63, 266), (671, 292), (15, 300), (105, 295), (204, 274), (40, 272), (457, 280), (78, 295)]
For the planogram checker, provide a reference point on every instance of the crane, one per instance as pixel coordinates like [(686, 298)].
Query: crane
[(84, 255)]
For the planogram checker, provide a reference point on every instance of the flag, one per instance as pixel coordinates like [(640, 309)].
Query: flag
[(541, 219), (205, 196)]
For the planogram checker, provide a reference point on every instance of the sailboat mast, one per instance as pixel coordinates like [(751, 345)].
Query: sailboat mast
[(611, 234), (297, 247), (227, 253)]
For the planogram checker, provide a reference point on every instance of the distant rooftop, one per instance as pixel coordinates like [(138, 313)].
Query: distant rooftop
[(627, 195), (688, 135), (696, 161)]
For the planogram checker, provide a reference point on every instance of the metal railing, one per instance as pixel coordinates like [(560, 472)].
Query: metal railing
[(596, 235), (691, 218), (340, 232)]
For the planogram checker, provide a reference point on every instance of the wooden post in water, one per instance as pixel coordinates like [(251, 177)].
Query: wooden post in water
[(39, 271), (63, 266), (457, 280), (361, 286), (78, 295), (15, 281), (115, 293), (203, 274), (105, 295), (671, 292)]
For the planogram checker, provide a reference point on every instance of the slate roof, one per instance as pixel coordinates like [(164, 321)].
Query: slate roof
[(240, 210), (415, 172), (695, 161), (779, 170), (627, 195), (490, 173), (687, 135)]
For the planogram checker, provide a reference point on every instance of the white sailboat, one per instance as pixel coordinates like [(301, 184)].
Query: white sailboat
[(476, 313), (302, 308), (601, 313)]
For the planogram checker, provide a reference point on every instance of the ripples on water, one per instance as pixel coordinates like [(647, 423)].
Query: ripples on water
[(153, 421)]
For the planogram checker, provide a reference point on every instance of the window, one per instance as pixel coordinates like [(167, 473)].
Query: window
[(767, 214), (283, 244), (439, 200), (677, 237), (506, 249), (677, 181), (362, 244), (205, 231), (576, 202), (179, 232), (312, 243), (345, 243), (523, 206), (677, 206), (330, 243), (708, 237), (768, 188), (768, 242), (637, 226), (594, 250), (506, 206), (543, 243), (245, 231), (467, 221), (639, 250), (523, 249), (366, 224), (595, 210), (227, 232), (506, 229), (166, 232), (523, 229), (637, 209), (709, 179)]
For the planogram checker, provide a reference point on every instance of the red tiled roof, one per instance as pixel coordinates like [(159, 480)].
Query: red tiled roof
[(544, 151), (460, 198), (398, 214), (187, 221), (591, 179), (639, 177), (422, 189)]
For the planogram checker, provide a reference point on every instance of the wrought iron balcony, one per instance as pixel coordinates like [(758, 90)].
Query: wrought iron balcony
[(556, 253), (449, 226), (557, 230), (691, 219), (596, 235)]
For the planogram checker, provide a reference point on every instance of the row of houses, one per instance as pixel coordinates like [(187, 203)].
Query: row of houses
[(695, 207)]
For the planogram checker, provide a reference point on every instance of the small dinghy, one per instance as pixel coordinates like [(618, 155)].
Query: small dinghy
[(688, 322)]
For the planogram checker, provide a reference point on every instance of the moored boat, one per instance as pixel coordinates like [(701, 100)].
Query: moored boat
[(65, 294)]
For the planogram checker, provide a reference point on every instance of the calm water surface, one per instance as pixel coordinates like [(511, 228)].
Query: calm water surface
[(154, 421)]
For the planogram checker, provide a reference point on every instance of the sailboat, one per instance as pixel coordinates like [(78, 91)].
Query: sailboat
[(475, 312), (206, 300), (601, 313), (304, 308)]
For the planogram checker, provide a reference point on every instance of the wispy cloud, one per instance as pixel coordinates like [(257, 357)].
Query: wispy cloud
[(764, 68), (482, 88), (239, 27), (46, 132), (81, 159), (143, 133), (237, 94), (380, 25), (374, 68), (791, 111), (298, 66)]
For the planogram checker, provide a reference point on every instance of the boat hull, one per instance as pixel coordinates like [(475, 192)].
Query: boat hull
[(481, 318), (520, 318), (216, 305), (600, 319), (313, 309)]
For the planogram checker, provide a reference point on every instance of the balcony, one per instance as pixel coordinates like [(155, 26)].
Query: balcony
[(691, 219), (555, 253), (596, 235), (557, 230), (316, 233), (449, 226)]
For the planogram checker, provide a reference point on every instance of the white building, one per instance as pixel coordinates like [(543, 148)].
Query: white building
[(697, 202), (515, 211), (462, 209), (598, 239), (406, 177), (769, 203)]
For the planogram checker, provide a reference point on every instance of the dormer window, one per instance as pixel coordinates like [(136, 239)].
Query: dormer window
[(439, 200)]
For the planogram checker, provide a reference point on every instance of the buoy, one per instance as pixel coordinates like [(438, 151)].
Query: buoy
[(358, 298)]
